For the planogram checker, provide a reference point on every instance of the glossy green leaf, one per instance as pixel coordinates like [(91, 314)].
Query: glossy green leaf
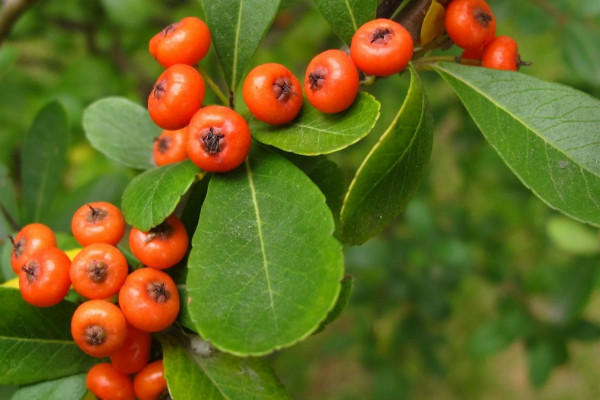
[(548, 134), (390, 174), (122, 130), (69, 388), (193, 374), (573, 236), (44, 160), (314, 132), (346, 16), (36, 343), (340, 305), (264, 269), (153, 195), (237, 32)]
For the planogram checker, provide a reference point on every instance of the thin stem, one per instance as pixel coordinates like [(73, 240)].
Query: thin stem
[(214, 87), (10, 13)]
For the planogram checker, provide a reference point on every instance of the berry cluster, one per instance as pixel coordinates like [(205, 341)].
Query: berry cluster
[(148, 300), (216, 138), (471, 25)]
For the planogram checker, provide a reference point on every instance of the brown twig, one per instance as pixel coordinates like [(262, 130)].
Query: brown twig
[(10, 13)]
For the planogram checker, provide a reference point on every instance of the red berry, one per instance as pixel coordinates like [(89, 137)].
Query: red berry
[(184, 42), (218, 139), (501, 53), (331, 81), (177, 95), (470, 23), (381, 47), (272, 93)]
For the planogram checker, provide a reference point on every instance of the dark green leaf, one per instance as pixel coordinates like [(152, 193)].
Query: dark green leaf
[(574, 290), (36, 343), (390, 174), (493, 336), (548, 134), (585, 330), (192, 374), (153, 195), (314, 132), (122, 130), (544, 355), (489, 339), (342, 301), (264, 269), (44, 159), (346, 16), (580, 46), (69, 388), (237, 27)]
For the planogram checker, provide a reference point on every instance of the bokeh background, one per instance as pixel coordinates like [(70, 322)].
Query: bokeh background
[(478, 291)]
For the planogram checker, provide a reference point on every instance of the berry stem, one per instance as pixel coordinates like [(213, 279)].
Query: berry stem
[(214, 87)]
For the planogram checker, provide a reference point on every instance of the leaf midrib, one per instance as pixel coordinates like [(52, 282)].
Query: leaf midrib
[(261, 238)]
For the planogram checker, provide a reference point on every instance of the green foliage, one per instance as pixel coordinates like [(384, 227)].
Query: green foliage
[(237, 32), (548, 137), (122, 130), (36, 343), (269, 261), (193, 368), (314, 132), (457, 261), (153, 195), (345, 17), (390, 174), (44, 159), (71, 387)]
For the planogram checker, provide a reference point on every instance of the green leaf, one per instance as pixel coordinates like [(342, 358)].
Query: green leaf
[(572, 236), (264, 269), (573, 291), (342, 301), (326, 175), (44, 159), (544, 354), (391, 172), (346, 16), (122, 130), (584, 330), (493, 336), (153, 195), (314, 132), (36, 343), (548, 134), (237, 27), (216, 376), (69, 388)]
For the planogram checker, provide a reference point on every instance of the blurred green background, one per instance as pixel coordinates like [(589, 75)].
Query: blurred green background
[(478, 291)]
